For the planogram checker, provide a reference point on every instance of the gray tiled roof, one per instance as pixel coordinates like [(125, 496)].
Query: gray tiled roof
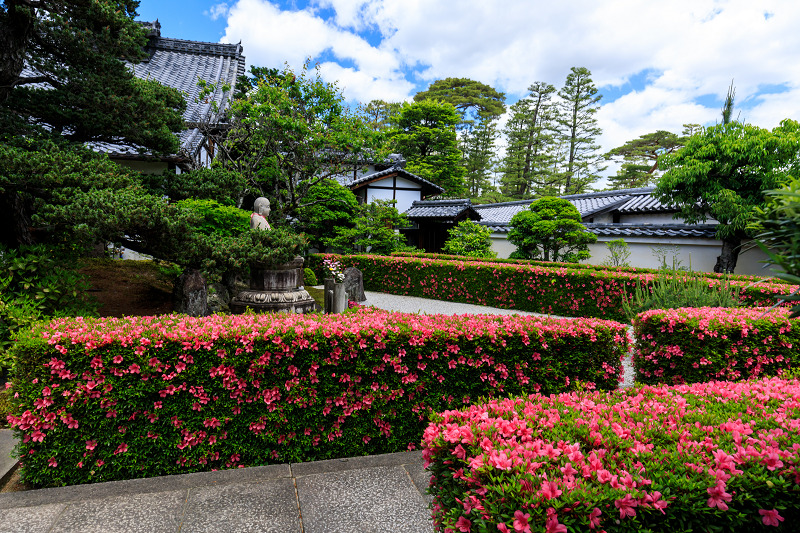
[(626, 201), (179, 64), (445, 209), (705, 231), (365, 178)]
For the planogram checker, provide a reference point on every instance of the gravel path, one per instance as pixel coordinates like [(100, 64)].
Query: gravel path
[(413, 304)]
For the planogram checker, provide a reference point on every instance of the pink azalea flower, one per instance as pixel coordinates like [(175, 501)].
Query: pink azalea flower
[(771, 517), (463, 524), (594, 518), (626, 506), (718, 496), (521, 522)]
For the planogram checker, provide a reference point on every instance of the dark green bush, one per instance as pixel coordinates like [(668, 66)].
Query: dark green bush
[(309, 277)]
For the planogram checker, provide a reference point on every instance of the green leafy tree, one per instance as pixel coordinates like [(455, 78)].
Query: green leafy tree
[(469, 239), (480, 106), (291, 131), (373, 230), (639, 158), (530, 153), (329, 206), (217, 219), (721, 173), (550, 229), (579, 131), (426, 137), (777, 225), (75, 83), (381, 115)]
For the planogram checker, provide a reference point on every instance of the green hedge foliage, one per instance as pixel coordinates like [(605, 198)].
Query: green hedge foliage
[(695, 345), (110, 399), (551, 264), (579, 292)]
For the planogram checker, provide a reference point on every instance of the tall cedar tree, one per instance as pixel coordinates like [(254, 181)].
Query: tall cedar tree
[(480, 107), (528, 163), (722, 173), (579, 131), (62, 76), (426, 136)]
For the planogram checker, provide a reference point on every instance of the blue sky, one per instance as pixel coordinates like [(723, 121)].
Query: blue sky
[(658, 65)]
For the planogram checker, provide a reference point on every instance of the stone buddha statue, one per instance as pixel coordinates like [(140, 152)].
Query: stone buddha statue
[(258, 220)]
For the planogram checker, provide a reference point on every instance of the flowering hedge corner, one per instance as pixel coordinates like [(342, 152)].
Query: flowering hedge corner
[(704, 344), (714, 456)]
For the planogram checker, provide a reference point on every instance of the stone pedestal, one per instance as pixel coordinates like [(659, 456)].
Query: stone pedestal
[(335, 296), (277, 290)]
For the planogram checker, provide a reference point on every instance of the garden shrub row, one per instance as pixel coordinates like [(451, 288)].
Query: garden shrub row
[(714, 456), (553, 264), (558, 291), (108, 399), (705, 344)]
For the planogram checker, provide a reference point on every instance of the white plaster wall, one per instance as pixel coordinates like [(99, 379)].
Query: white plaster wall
[(402, 182), (605, 218), (701, 254), (501, 246), (405, 199), (379, 194), (650, 218)]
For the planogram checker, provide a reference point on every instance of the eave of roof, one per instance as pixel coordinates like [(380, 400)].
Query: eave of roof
[(389, 172), (442, 210)]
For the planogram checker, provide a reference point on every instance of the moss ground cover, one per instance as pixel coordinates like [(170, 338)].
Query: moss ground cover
[(693, 345), (106, 399), (559, 291), (715, 456)]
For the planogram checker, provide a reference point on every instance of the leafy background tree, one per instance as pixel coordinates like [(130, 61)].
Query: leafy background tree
[(319, 221), (470, 240), (721, 173), (373, 231), (777, 225), (550, 229), (480, 107), (291, 131), (426, 136)]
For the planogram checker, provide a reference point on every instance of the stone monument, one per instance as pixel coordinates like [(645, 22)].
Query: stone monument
[(277, 289)]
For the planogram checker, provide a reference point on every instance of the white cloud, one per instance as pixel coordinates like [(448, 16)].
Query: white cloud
[(691, 48), (217, 11)]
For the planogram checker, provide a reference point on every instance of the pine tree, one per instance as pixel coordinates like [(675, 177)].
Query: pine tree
[(579, 130), (527, 166)]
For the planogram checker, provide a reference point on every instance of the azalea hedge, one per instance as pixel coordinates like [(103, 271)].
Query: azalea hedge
[(704, 344), (558, 291), (109, 399), (553, 264), (714, 456)]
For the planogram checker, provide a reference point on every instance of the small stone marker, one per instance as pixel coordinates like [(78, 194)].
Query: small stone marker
[(190, 296), (354, 284)]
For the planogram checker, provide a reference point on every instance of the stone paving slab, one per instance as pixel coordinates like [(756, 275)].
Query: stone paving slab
[(138, 486), (367, 500), (7, 462), (30, 520), (268, 507), (159, 512)]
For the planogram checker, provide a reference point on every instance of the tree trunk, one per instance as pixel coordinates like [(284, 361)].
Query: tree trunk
[(14, 222), (16, 30), (726, 261)]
